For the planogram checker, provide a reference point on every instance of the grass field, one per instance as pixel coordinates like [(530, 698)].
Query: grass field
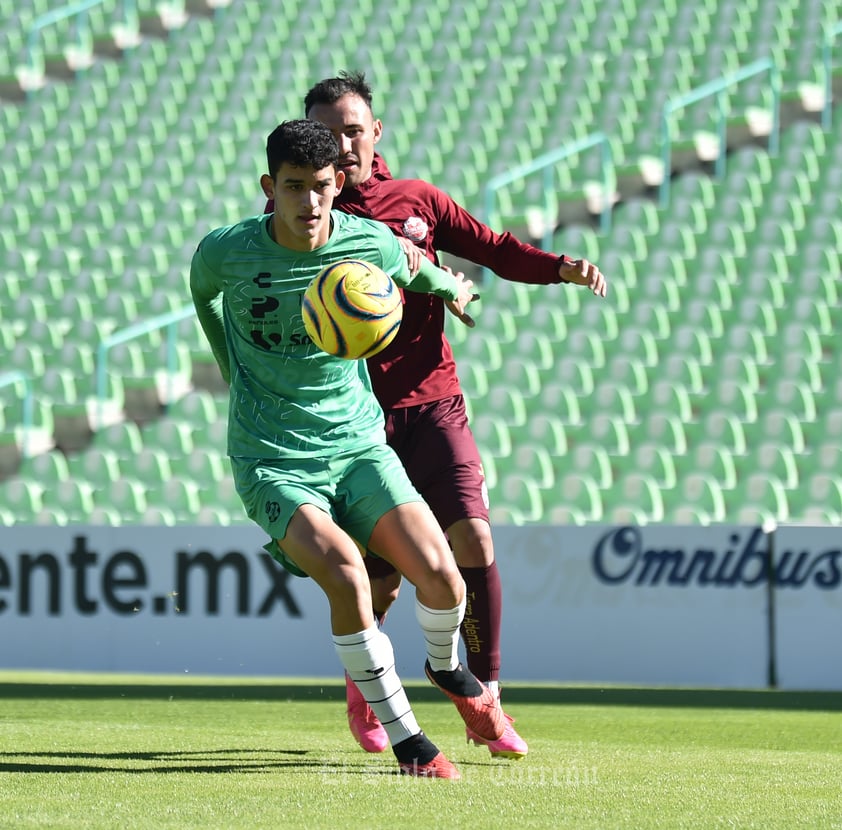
[(104, 751)]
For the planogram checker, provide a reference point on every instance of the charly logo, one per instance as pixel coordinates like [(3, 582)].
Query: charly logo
[(273, 510), (415, 229), (621, 556)]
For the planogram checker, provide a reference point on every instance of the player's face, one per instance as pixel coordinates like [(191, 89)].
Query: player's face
[(303, 199), (356, 131)]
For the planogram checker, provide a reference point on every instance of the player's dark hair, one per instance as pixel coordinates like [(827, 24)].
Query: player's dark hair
[(330, 90), (303, 143)]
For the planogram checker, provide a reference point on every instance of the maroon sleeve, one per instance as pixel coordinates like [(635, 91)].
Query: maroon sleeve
[(457, 232)]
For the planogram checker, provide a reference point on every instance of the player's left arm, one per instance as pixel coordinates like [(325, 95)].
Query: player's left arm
[(453, 288), (459, 233)]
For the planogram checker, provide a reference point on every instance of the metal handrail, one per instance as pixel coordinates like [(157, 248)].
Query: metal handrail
[(34, 52), (719, 87), (546, 163), (169, 320)]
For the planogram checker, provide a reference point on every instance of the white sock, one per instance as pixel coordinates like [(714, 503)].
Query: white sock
[(441, 631), (370, 662), (494, 685)]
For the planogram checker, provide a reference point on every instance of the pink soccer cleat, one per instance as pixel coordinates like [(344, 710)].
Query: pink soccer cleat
[(476, 703), (510, 746), (439, 767), (365, 727)]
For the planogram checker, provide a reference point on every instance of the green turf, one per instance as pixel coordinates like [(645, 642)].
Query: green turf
[(153, 752)]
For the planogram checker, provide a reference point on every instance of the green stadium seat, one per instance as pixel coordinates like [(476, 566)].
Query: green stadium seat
[(492, 434), (609, 430), (684, 370), (550, 326), (639, 343), (665, 429), (703, 492), (124, 439), (543, 428), (653, 317), (796, 397), (713, 460), (593, 460), (670, 396), (75, 498), (579, 491), (572, 374), (171, 436), (522, 494), (151, 465), (779, 462), (206, 468), (480, 348), (613, 398), (562, 402), (656, 462), (641, 496), (565, 515), (473, 379), (509, 404), (23, 496), (49, 468), (531, 460), (768, 492)]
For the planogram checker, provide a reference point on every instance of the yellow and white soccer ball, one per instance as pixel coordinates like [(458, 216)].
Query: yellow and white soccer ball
[(352, 309)]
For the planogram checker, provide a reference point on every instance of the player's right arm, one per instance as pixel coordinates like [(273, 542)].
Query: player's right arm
[(206, 290)]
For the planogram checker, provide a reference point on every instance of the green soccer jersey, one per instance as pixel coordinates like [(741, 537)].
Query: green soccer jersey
[(288, 399)]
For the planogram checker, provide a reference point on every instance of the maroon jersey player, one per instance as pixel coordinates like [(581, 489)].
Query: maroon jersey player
[(415, 378)]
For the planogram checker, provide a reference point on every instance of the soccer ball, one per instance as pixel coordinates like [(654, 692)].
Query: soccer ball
[(352, 309)]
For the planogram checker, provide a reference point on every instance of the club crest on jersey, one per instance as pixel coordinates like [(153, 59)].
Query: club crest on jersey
[(415, 229)]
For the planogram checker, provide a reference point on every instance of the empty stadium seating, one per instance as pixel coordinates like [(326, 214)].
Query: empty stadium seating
[(703, 388)]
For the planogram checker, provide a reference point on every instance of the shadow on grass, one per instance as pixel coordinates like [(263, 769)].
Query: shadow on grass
[(200, 761), (418, 692)]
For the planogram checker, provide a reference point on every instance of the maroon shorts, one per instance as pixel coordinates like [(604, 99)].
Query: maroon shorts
[(437, 448)]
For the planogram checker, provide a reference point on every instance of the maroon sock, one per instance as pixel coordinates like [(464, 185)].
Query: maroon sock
[(481, 626)]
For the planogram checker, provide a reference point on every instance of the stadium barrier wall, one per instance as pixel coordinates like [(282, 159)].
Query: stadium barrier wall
[(725, 606)]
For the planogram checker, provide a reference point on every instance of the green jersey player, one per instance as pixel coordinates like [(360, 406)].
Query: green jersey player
[(306, 435)]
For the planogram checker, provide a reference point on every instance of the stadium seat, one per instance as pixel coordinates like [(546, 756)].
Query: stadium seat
[(48, 468), (522, 494), (591, 459), (656, 462), (542, 428), (492, 434), (562, 402), (531, 460), (75, 498), (703, 493), (640, 495), (23, 496), (768, 492), (580, 492)]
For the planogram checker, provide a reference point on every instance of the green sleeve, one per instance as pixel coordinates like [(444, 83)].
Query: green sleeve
[(430, 280), (206, 291)]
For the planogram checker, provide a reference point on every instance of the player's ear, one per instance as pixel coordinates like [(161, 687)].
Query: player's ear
[(378, 129), (340, 180), (268, 186)]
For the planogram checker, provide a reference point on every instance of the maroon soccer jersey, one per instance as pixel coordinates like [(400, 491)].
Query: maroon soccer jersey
[(418, 366)]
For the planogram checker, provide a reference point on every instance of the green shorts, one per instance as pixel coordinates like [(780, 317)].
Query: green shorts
[(354, 488)]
